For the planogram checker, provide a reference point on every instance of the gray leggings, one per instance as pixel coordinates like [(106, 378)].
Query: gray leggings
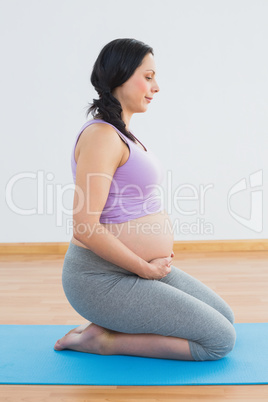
[(177, 305)]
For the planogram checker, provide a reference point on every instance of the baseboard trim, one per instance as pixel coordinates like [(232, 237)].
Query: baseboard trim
[(33, 248), (179, 246), (221, 245)]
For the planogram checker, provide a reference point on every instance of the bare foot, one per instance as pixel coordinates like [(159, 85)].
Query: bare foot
[(79, 329), (91, 339)]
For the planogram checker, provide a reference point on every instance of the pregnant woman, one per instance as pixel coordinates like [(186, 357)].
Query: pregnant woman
[(118, 271)]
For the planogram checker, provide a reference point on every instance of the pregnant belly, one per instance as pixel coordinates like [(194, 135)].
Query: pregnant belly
[(149, 237)]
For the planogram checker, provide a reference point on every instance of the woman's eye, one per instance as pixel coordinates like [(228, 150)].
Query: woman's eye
[(148, 78)]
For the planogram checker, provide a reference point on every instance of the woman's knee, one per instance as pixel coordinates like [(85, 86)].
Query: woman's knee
[(218, 347), (225, 344)]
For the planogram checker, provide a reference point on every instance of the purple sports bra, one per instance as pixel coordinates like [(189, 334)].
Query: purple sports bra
[(135, 187)]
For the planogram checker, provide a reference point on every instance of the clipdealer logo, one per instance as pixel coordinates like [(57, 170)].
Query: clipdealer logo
[(50, 200), (255, 221)]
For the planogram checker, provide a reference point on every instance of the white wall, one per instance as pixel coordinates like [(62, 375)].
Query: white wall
[(208, 124)]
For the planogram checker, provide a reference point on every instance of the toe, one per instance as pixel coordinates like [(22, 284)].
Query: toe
[(58, 345)]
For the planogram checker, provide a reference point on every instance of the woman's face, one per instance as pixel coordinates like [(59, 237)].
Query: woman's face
[(138, 91)]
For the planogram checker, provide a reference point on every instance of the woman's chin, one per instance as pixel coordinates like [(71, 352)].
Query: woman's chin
[(143, 109)]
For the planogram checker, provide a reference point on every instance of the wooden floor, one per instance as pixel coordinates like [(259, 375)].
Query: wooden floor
[(31, 293)]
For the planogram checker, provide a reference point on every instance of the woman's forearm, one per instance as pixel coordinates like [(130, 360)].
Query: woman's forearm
[(103, 243)]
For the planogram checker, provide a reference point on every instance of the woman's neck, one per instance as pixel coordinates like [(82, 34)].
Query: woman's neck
[(126, 118)]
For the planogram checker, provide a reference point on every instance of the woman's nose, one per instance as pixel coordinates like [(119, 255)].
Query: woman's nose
[(156, 88)]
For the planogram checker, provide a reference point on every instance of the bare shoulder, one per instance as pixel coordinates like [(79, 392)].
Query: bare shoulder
[(99, 135)]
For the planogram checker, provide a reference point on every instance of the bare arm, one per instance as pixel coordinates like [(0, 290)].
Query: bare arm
[(100, 154)]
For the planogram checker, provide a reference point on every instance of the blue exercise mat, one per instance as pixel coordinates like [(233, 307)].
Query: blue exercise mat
[(27, 357)]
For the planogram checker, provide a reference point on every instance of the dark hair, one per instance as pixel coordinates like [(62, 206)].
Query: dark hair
[(115, 64)]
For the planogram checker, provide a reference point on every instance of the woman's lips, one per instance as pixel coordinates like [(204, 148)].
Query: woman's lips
[(148, 99)]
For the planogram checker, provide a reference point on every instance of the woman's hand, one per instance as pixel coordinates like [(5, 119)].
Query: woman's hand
[(159, 267)]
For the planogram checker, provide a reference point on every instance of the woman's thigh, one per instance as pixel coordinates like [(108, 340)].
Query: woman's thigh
[(192, 286)]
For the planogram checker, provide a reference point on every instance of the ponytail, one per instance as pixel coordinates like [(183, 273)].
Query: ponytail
[(109, 109)]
